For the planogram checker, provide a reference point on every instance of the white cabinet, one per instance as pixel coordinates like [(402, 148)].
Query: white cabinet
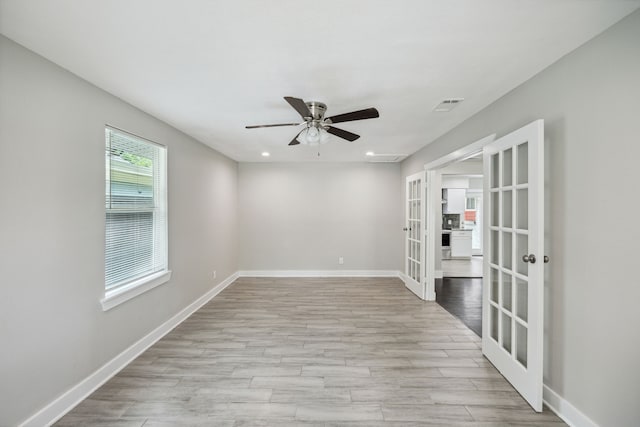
[(461, 244), (455, 200)]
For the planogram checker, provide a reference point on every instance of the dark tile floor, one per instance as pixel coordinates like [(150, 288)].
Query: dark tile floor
[(462, 297)]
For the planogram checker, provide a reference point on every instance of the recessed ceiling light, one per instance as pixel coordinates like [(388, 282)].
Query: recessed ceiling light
[(265, 154), (370, 153), (386, 158)]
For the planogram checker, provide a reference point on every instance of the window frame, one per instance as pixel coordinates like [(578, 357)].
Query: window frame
[(119, 293), (475, 203)]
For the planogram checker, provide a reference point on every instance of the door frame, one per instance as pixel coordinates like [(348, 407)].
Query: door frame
[(432, 184), (433, 209), (479, 213)]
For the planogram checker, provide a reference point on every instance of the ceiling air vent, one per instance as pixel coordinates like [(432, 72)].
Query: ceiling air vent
[(447, 105), (385, 158)]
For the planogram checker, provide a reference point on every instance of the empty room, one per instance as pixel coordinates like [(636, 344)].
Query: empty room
[(356, 213)]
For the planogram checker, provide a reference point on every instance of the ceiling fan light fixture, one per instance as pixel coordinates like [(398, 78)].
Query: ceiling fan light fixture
[(313, 135)]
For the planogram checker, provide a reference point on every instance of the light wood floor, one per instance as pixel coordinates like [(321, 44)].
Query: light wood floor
[(321, 352)]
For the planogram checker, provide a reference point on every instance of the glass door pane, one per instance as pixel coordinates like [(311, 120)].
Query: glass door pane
[(508, 242)]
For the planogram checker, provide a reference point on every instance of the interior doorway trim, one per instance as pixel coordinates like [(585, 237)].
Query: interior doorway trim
[(460, 154), (433, 206)]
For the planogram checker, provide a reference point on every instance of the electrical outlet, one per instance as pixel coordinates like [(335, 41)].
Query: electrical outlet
[(214, 274), (340, 260)]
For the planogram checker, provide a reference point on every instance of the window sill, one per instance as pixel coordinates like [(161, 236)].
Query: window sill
[(123, 294)]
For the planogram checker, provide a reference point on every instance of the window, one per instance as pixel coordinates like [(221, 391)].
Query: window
[(135, 214), (471, 203)]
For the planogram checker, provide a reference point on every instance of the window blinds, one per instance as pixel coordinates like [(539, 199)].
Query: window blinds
[(135, 208)]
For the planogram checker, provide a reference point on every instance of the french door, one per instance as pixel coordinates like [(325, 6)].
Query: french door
[(414, 234), (513, 284)]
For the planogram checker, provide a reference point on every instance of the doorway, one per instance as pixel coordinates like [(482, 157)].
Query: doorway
[(459, 290), (462, 225)]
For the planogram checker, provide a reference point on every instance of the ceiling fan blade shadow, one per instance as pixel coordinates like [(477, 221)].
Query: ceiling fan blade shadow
[(299, 105), (343, 133), (271, 126), (368, 113)]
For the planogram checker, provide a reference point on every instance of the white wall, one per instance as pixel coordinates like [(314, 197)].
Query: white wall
[(475, 183), (53, 332), (589, 101), (468, 167), (452, 181), (303, 216)]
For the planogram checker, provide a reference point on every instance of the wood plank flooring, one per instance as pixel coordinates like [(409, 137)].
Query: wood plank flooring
[(462, 297), (316, 352)]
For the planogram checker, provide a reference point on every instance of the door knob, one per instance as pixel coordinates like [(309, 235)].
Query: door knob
[(529, 258), (546, 259)]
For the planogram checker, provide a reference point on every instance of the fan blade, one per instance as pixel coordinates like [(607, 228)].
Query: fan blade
[(295, 141), (369, 113), (272, 126), (342, 133), (299, 105)]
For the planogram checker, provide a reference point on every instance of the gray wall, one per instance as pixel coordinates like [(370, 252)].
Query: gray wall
[(303, 216), (53, 332), (589, 101)]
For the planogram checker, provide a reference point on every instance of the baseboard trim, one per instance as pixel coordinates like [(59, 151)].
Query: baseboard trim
[(319, 273), (403, 276), (438, 274), (565, 410), (72, 397)]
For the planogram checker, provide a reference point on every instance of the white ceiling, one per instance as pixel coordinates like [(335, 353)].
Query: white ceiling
[(211, 67)]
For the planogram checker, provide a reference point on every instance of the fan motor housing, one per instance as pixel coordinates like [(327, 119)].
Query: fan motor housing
[(317, 110)]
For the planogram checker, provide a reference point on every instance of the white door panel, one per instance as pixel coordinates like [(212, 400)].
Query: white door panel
[(513, 284), (414, 234)]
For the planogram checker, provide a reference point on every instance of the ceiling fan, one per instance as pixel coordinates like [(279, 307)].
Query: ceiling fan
[(317, 126)]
